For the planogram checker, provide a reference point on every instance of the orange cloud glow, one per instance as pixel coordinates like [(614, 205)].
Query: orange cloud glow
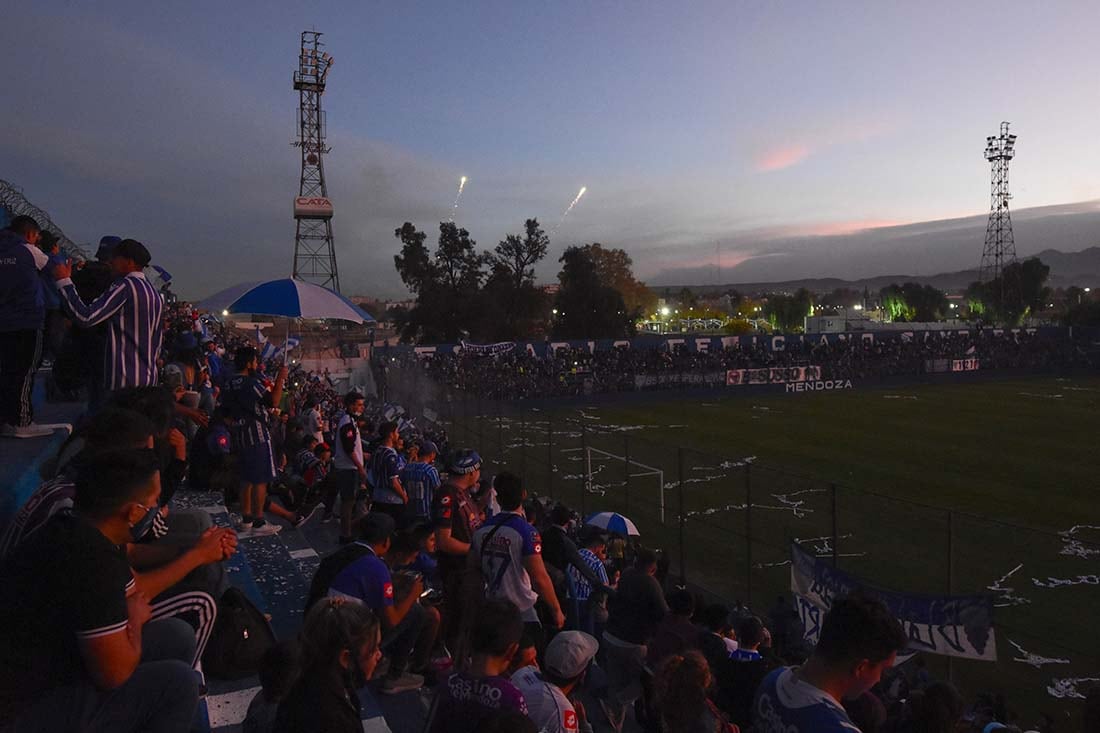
[(781, 157)]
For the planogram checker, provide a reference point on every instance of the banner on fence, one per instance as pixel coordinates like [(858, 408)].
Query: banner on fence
[(955, 626), (778, 375), (964, 365), (488, 349)]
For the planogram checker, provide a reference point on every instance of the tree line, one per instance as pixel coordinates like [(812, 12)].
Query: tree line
[(484, 296)]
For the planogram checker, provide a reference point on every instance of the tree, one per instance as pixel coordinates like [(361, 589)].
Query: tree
[(447, 287), (520, 255), (587, 305), (614, 268), (913, 302), (787, 313), (1019, 291)]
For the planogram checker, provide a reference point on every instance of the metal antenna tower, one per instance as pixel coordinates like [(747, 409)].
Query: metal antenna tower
[(1000, 248), (314, 251)]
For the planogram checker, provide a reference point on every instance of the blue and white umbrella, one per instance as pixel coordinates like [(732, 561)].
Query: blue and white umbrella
[(297, 299), (613, 522)]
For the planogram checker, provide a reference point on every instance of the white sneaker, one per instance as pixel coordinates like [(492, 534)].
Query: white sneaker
[(33, 430), (264, 530)]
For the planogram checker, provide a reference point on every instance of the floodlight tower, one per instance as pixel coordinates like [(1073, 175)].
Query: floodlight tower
[(1000, 248), (314, 251)]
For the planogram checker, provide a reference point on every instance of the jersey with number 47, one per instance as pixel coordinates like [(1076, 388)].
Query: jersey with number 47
[(501, 544)]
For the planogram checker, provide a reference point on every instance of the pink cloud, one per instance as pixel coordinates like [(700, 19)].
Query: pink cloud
[(782, 157)]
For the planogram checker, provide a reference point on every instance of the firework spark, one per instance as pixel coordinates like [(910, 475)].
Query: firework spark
[(461, 185), (571, 205)]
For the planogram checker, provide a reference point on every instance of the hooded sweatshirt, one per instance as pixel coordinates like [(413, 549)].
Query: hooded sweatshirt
[(22, 301)]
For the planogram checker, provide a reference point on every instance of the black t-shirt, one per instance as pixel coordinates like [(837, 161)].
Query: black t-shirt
[(66, 582), (637, 608)]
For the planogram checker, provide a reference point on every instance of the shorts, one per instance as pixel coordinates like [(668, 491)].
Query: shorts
[(257, 463), (346, 481)]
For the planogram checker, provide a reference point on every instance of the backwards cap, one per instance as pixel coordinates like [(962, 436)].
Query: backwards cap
[(464, 461)]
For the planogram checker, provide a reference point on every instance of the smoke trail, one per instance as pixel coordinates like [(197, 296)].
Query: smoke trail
[(461, 185), (570, 208)]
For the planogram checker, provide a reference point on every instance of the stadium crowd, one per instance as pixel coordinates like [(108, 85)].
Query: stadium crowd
[(575, 371), (520, 617)]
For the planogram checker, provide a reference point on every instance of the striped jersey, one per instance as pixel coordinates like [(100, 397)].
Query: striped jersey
[(133, 311), (581, 586), (245, 400), (420, 481)]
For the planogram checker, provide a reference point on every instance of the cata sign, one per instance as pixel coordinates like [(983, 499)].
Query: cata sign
[(312, 207)]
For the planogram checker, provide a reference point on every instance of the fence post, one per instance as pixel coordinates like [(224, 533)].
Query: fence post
[(500, 434), (680, 492), (523, 444), (550, 453), (626, 484), (832, 494), (950, 580), (748, 534), (585, 477), (477, 421)]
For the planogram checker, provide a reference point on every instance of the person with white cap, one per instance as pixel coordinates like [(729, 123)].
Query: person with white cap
[(548, 692)]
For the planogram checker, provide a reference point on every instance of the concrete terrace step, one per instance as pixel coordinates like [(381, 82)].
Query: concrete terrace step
[(275, 572)]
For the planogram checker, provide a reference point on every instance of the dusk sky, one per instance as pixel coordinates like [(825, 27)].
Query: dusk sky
[(750, 124)]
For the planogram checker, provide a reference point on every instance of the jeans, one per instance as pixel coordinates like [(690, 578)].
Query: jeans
[(19, 355)]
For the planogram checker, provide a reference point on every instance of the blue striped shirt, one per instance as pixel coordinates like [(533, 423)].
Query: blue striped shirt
[(420, 481), (132, 309), (581, 585)]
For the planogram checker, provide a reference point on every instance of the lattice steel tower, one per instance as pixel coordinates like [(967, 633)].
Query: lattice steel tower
[(1000, 248), (314, 251)]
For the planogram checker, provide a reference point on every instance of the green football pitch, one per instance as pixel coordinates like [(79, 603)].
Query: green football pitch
[(966, 488)]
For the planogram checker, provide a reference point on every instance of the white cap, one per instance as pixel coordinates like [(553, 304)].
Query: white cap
[(569, 653)]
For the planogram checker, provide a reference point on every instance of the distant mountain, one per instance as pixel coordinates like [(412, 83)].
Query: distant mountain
[(1067, 234), (1066, 268)]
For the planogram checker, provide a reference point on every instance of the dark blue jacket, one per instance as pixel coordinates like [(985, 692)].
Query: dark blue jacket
[(22, 301)]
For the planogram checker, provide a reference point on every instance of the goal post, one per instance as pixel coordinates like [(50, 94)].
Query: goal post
[(631, 464)]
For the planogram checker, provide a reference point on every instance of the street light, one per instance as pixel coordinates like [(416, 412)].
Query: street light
[(664, 311), (225, 313), (857, 307), (555, 311)]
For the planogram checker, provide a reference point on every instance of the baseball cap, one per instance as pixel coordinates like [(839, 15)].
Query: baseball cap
[(376, 527), (134, 250), (464, 461), (427, 447), (569, 653)]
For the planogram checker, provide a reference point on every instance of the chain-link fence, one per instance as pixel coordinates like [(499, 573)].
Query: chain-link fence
[(726, 524)]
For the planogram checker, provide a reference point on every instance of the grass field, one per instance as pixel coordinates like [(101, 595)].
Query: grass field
[(1014, 461)]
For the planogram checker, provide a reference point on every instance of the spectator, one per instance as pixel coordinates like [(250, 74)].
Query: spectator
[(384, 476), (561, 552), (507, 551), (467, 698), (279, 670), (675, 634), (421, 480), (246, 401), (937, 709), (367, 580), (859, 639), (456, 517), (132, 309), (348, 468), (635, 611), (751, 633), (53, 334), (549, 693), (213, 361), (681, 696), (592, 613), (22, 314), (340, 644), (88, 658)]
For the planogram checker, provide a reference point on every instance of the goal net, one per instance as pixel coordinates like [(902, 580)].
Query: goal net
[(605, 473)]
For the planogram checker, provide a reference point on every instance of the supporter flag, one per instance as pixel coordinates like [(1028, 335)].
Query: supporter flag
[(292, 341), (164, 275), (269, 351), (954, 626), (259, 336)]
